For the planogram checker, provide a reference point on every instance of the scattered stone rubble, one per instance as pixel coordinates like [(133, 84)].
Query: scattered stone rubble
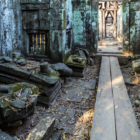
[(17, 101), (136, 65), (131, 74), (77, 64), (23, 88), (43, 129), (5, 136)]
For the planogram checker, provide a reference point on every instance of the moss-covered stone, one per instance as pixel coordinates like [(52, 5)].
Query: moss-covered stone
[(136, 65), (76, 61), (18, 103)]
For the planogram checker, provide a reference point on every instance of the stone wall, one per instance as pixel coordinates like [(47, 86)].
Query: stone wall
[(119, 23), (68, 24), (57, 29), (10, 26), (35, 19), (53, 17), (85, 14), (94, 23), (135, 26), (131, 27)]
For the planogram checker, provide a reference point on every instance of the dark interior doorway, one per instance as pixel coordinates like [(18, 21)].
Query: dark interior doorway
[(38, 43)]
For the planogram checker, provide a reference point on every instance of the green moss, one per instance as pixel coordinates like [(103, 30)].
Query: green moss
[(4, 103), (19, 86), (77, 61), (6, 98)]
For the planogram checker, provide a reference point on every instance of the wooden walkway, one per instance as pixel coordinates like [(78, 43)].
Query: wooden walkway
[(114, 118)]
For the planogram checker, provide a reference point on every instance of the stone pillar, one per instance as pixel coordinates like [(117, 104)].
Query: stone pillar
[(104, 25), (10, 26), (115, 23), (126, 32), (100, 22), (79, 18), (119, 23), (115, 19), (57, 29), (135, 27), (94, 17)]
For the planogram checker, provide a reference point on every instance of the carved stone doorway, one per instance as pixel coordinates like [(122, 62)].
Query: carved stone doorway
[(110, 26)]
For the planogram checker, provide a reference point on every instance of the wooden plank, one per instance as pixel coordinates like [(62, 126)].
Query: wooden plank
[(126, 125), (103, 123)]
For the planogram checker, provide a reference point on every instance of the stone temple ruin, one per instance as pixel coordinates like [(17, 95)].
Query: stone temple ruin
[(50, 55)]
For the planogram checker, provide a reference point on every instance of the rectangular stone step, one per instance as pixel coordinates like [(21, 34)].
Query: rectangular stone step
[(43, 130)]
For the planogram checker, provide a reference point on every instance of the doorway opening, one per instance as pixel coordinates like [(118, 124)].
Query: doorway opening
[(110, 27)]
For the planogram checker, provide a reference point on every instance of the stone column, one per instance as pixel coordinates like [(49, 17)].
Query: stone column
[(104, 25), (126, 30), (10, 26), (115, 23), (57, 29)]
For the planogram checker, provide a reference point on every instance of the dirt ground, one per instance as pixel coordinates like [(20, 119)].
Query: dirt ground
[(133, 88), (74, 108)]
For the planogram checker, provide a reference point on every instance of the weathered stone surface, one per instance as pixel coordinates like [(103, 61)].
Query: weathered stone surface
[(44, 80), (76, 94), (56, 135), (47, 69), (24, 75), (124, 60), (16, 55), (21, 61), (63, 69), (15, 71), (91, 84), (5, 59), (4, 136), (134, 28), (10, 26), (136, 65), (48, 95), (5, 89), (18, 59), (18, 103), (43, 129), (80, 53), (91, 61), (76, 61), (137, 103)]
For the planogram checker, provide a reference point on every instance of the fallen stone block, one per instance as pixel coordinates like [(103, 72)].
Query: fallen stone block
[(16, 54), (14, 71), (47, 69), (136, 65), (43, 130), (48, 95), (5, 59), (77, 64), (91, 84), (56, 135), (28, 76), (18, 103), (21, 61), (76, 61), (63, 69), (44, 80), (5, 136)]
